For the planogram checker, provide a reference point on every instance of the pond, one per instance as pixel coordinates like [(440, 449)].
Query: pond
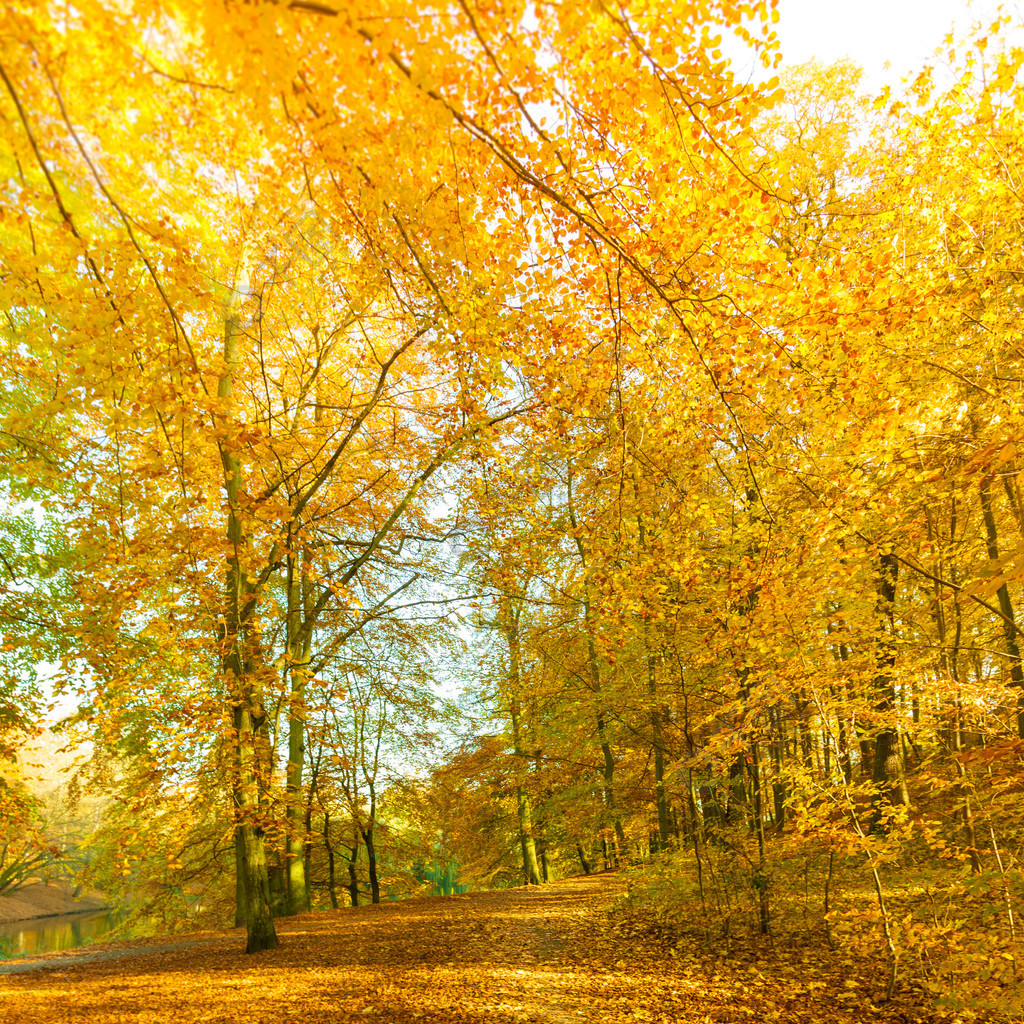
[(50, 934)]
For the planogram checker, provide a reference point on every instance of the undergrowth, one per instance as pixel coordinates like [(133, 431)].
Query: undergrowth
[(954, 936)]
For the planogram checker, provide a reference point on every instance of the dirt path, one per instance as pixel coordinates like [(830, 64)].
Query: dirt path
[(524, 956), (90, 955), (488, 956)]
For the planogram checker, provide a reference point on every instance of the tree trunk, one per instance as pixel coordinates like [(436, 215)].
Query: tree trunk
[(608, 770), (776, 747), (531, 872), (371, 864), (608, 766), (803, 729), (737, 786), (353, 877), (307, 850), (950, 665), (1006, 607), (539, 823), (298, 651), (843, 739), (840, 655), (277, 876), (256, 912), (236, 644), (368, 840), (239, 845), (658, 739), (608, 774), (761, 874), (545, 864), (657, 733), (584, 863), (332, 889), (887, 766), (964, 792)]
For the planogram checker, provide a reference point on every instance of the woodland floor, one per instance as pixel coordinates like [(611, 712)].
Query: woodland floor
[(542, 955)]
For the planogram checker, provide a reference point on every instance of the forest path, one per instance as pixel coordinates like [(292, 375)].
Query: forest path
[(69, 958), (507, 957), (494, 956), (544, 955)]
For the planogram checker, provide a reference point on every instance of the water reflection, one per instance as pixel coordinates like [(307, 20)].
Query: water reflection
[(50, 934)]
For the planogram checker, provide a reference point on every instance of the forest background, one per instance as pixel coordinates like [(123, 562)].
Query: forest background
[(350, 351)]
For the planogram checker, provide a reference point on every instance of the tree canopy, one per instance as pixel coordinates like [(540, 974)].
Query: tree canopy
[(353, 352)]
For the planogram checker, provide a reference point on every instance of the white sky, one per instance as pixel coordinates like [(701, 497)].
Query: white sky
[(871, 32)]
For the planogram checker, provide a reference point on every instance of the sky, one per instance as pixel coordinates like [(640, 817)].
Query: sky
[(871, 32)]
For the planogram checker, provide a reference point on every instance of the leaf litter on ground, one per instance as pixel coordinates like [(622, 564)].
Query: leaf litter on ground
[(537, 955)]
